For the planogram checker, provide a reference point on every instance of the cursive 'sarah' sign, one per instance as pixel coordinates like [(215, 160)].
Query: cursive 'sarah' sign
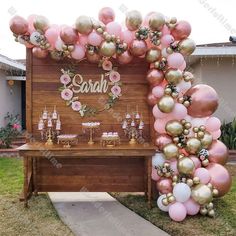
[(90, 86)]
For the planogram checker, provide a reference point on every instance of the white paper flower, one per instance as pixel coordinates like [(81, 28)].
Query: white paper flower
[(67, 94), (76, 106)]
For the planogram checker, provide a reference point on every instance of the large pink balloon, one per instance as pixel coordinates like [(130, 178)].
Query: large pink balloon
[(157, 113), (159, 126), (155, 176), (165, 30), (51, 35), (158, 91), (175, 60), (179, 111), (177, 211), (127, 36), (220, 178), (196, 161), (30, 20), (192, 207), (83, 39), (216, 134), (182, 30), (106, 15), (94, 39), (113, 28), (68, 35), (213, 124), (124, 58), (78, 52), (166, 40), (203, 174)]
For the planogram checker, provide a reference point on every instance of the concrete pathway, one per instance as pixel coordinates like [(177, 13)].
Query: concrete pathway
[(99, 214)]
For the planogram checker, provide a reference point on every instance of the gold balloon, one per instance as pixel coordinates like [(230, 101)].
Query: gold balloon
[(166, 104), (185, 165), (193, 145), (41, 23), (171, 151), (84, 24), (156, 21), (174, 128), (133, 20), (153, 55), (202, 194), (173, 76), (108, 49), (207, 140), (187, 47)]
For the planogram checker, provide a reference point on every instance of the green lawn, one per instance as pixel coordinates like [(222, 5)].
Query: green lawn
[(40, 219), (223, 224)]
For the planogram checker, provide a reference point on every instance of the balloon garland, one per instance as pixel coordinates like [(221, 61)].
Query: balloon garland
[(188, 167)]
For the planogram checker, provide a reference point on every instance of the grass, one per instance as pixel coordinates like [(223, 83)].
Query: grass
[(39, 219), (223, 224)]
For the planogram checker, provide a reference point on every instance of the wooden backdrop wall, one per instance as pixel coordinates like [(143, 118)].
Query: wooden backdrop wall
[(42, 89)]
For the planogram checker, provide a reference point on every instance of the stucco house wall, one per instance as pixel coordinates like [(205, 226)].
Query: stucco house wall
[(10, 101)]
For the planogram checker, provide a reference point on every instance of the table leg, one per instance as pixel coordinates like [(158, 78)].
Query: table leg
[(26, 166), (149, 181), (35, 177), (146, 177)]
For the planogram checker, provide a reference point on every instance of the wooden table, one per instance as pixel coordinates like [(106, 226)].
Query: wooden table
[(124, 168)]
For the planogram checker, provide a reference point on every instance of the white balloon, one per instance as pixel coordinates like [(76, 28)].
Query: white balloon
[(183, 87), (182, 192), (164, 53), (160, 205), (35, 38), (158, 159), (196, 122)]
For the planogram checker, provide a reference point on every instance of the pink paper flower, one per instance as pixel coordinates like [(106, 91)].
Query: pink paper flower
[(67, 94), (65, 79), (76, 106), (114, 76), (107, 65), (16, 126), (116, 90)]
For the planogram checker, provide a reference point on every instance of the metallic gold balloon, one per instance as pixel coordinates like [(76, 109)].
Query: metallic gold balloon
[(218, 152), (108, 49), (185, 166), (207, 139), (193, 145), (186, 47), (41, 23), (153, 55), (84, 24), (18, 25), (138, 47), (166, 104), (173, 76), (133, 20), (156, 21), (171, 151), (201, 194), (155, 77), (174, 128), (204, 100)]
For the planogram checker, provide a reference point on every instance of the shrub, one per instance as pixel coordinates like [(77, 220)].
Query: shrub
[(228, 134)]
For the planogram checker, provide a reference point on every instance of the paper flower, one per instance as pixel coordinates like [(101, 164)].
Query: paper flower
[(16, 126), (76, 106), (107, 65), (65, 79), (116, 90), (114, 76), (67, 94)]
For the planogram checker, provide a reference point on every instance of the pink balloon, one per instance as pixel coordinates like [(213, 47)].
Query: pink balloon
[(106, 15), (127, 36), (164, 185), (216, 134), (192, 207), (213, 124), (158, 91), (177, 211), (175, 60), (159, 126), (78, 53), (52, 34), (183, 87), (183, 66), (113, 28), (165, 30), (166, 40), (155, 176), (30, 20), (157, 113), (203, 175), (182, 30), (146, 18), (173, 166), (196, 161), (83, 39), (58, 44), (94, 39), (179, 111)]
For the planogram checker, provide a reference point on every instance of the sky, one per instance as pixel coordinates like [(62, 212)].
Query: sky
[(211, 20)]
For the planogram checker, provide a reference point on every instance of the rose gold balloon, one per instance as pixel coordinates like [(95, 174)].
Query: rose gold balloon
[(182, 30), (138, 47), (162, 140), (151, 99), (220, 178), (94, 58), (155, 77), (18, 25), (69, 35), (164, 186), (204, 100), (106, 15), (124, 58), (39, 53), (218, 152)]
